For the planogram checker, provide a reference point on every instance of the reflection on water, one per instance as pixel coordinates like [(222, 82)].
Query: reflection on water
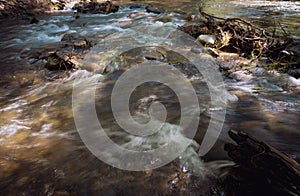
[(41, 151)]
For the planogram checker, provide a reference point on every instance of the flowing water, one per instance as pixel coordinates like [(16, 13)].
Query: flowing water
[(41, 151)]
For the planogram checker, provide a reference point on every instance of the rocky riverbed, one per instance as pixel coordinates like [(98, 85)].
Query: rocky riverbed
[(42, 152)]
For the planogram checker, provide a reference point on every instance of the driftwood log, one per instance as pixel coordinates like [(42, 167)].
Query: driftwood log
[(260, 169)]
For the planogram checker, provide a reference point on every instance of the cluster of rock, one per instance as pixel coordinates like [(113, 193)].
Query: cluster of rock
[(26, 7), (65, 55), (73, 47), (18, 8), (94, 7)]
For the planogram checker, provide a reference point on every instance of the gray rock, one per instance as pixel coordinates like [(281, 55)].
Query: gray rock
[(207, 39), (154, 10)]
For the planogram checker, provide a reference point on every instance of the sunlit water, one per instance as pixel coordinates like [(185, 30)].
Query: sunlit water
[(41, 151)]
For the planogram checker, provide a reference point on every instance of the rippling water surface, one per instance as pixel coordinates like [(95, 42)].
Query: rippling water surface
[(41, 151)]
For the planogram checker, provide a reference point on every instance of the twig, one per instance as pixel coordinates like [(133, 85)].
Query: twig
[(282, 28)]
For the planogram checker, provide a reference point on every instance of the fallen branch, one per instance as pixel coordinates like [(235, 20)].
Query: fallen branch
[(236, 35)]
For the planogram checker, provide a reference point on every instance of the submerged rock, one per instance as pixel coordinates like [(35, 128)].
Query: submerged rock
[(135, 6), (34, 21), (71, 37), (77, 40)]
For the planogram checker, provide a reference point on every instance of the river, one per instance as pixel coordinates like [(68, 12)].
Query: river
[(42, 152)]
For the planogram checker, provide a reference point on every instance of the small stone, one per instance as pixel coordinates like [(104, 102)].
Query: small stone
[(197, 50), (241, 76), (212, 52), (258, 70), (80, 44), (52, 62), (71, 37), (154, 10), (191, 18), (207, 39), (62, 55), (228, 55), (76, 63)]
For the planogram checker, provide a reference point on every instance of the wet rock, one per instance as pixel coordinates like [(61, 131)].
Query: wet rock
[(227, 55), (258, 71), (192, 18), (52, 62), (228, 61), (83, 44), (62, 61), (34, 21), (71, 37), (63, 56), (58, 4), (267, 86), (135, 6), (207, 39), (154, 10), (294, 48), (197, 50), (241, 76), (136, 14), (226, 66), (93, 63), (212, 52), (295, 73), (77, 40), (96, 7), (18, 8)]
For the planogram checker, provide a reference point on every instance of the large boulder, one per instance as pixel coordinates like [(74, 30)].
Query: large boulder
[(18, 8)]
